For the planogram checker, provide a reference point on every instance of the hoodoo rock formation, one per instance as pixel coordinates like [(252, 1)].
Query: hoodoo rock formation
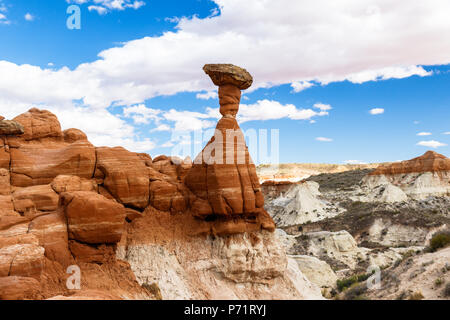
[(223, 176), (137, 227)]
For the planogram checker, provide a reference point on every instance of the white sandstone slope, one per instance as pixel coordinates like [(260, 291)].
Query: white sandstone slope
[(301, 203), (340, 250), (237, 266), (400, 187), (317, 271), (423, 274), (379, 189)]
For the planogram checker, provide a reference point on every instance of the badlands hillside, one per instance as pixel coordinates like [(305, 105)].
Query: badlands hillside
[(339, 226), (85, 222)]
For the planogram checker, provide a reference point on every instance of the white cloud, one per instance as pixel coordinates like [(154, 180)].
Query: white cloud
[(29, 17), (110, 131), (161, 127), (447, 133), (208, 95), (188, 120), (424, 134), (100, 10), (168, 144), (273, 110), (301, 85), (431, 143), (354, 162), (323, 139), (322, 107), (105, 6), (174, 59), (376, 111), (262, 110), (4, 19), (397, 72), (141, 114)]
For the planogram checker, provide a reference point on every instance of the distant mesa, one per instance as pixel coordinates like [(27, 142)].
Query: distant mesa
[(429, 162), (418, 178)]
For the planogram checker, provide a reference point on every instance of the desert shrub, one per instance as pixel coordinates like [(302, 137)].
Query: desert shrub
[(401, 296), (439, 240), (438, 282), (348, 282), (356, 292), (447, 290), (154, 290), (416, 296)]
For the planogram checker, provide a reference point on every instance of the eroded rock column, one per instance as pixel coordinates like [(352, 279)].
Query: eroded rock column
[(223, 177)]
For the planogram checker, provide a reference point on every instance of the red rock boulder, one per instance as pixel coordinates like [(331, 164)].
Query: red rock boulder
[(52, 235), (19, 288), (92, 218), (22, 260), (37, 198), (72, 135), (72, 183), (124, 175), (39, 124), (35, 164), (41, 153), (166, 196)]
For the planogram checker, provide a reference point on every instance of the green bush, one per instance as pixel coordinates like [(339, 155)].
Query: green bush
[(348, 282), (438, 282), (439, 240)]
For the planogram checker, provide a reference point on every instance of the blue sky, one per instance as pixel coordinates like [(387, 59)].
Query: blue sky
[(132, 74)]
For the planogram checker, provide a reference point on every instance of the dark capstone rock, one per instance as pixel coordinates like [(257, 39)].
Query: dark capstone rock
[(9, 127)]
